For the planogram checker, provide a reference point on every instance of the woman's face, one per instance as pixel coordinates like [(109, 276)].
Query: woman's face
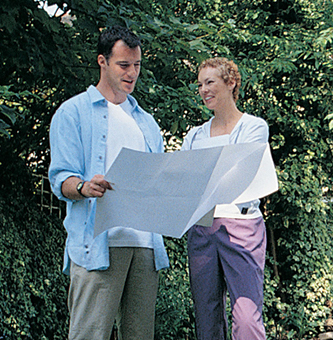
[(212, 88)]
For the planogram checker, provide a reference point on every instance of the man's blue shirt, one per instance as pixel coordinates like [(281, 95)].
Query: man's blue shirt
[(78, 137)]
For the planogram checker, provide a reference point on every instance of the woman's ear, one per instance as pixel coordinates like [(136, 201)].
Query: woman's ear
[(232, 84)]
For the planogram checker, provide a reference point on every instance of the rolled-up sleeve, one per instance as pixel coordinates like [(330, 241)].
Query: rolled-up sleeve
[(67, 157)]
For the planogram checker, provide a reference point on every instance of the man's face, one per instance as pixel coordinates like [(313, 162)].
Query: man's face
[(120, 73)]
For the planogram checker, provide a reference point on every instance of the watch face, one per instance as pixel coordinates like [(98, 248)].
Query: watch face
[(79, 187)]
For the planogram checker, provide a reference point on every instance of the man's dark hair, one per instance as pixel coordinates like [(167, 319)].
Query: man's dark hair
[(111, 35)]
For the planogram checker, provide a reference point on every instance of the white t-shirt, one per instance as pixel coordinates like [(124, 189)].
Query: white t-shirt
[(249, 129), (123, 131)]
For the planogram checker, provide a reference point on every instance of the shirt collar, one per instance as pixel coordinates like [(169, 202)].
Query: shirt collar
[(96, 96)]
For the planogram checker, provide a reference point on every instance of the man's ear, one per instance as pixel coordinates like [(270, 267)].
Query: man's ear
[(101, 60)]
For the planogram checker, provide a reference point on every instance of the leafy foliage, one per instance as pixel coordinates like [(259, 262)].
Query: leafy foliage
[(284, 52), (174, 307), (33, 294), (8, 113), (33, 290)]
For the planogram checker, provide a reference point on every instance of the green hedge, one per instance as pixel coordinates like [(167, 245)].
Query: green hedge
[(32, 288), (174, 306)]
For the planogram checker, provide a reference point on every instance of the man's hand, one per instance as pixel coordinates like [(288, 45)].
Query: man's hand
[(96, 187)]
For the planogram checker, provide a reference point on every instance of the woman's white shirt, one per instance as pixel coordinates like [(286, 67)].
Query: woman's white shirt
[(249, 129)]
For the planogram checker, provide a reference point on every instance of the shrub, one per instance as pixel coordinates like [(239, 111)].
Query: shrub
[(33, 289)]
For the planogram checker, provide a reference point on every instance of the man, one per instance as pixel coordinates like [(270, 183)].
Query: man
[(114, 275)]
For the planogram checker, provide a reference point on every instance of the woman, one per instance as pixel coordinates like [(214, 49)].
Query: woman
[(230, 255)]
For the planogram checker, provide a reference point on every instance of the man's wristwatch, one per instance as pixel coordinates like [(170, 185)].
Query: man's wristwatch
[(79, 188)]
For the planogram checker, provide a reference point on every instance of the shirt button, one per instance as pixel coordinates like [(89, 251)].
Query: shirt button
[(100, 157), (104, 116)]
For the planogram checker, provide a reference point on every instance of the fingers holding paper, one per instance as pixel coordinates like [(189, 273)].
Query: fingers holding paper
[(77, 189), (97, 186)]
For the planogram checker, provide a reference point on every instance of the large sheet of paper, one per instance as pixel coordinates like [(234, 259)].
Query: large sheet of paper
[(168, 193)]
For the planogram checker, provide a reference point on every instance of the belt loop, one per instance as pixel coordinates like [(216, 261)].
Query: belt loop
[(244, 211)]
